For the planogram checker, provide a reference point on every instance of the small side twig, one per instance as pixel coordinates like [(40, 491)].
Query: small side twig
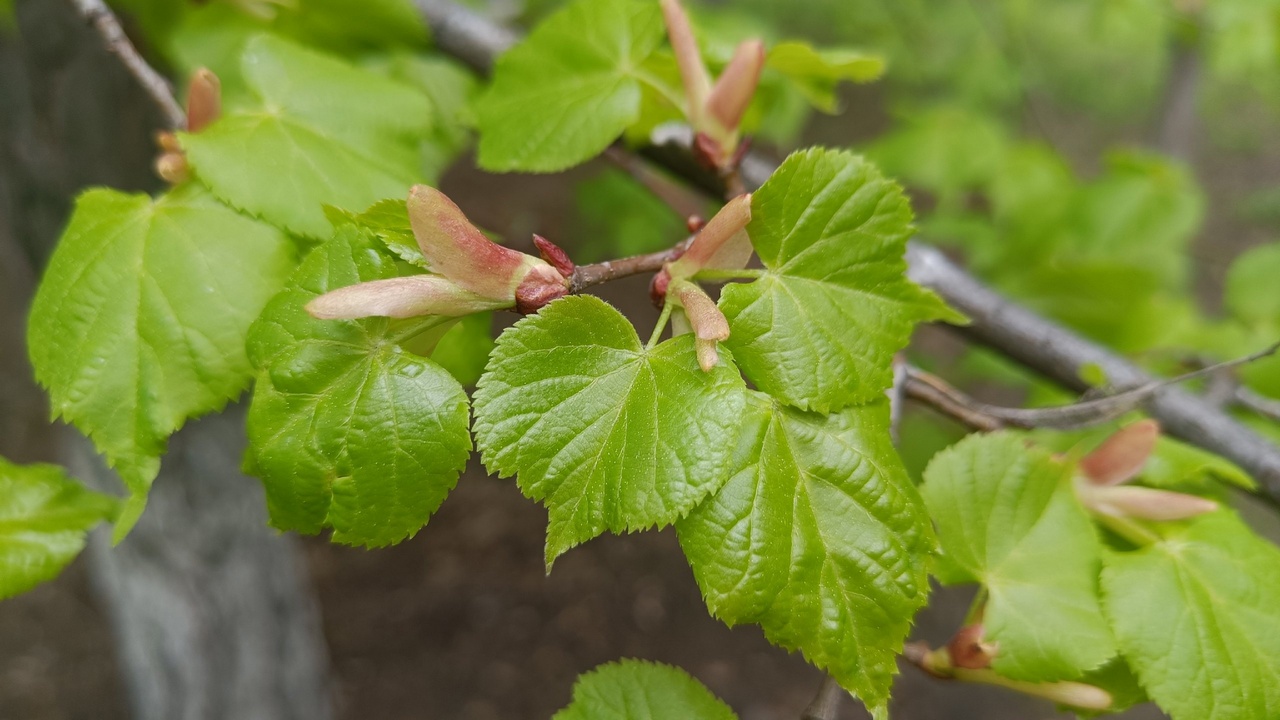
[(1260, 404), (935, 392), (105, 22), (584, 276), (675, 195)]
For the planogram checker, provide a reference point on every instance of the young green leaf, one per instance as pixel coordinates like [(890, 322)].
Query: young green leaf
[(817, 73), (819, 537), (819, 329), (1197, 615), (347, 429), (1252, 293), (327, 133), (1008, 517), (571, 88), (608, 434), (44, 516), (464, 349), (139, 323), (639, 690), (388, 220)]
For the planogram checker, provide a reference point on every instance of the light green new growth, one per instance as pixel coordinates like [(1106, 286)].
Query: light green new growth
[(1007, 517), (570, 88), (347, 429), (44, 516), (640, 690), (327, 133), (819, 536), (608, 434), (1198, 617), (140, 321), (817, 73), (820, 328)]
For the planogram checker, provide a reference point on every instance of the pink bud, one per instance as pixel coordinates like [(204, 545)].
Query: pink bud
[(457, 250), (1121, 457), (1146, 503), (732, 93), (968, 649), (693, 72), (706, 319), (708, 323), (399, 298), (204, 99), (554, 254), (540, 286), (721, 244), (658, 288), (708, 357)]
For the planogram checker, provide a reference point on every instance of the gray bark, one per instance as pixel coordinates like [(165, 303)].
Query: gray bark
[(212, 610)]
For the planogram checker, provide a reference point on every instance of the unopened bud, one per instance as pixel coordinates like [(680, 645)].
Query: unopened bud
[(1121, 457), (554, 254), (733, 91), (693, 72), (456, 249), (540, 286), (172, 167), (168, 142), (694, 223), (721, 244), (658, 288), (1144, 503), (709, 324), (204, 100), (968, 649), (399, 298)]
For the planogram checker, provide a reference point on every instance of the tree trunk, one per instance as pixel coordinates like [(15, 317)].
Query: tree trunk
[(213, 612)]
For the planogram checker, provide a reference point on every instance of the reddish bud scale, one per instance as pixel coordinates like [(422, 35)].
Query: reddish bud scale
[(541, 286), (732, 93), (204, 99), (968, 649), (1122, 456), (554, 254), (658, 288), (456, 249)]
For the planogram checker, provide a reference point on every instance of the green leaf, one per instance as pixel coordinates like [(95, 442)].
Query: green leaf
[(44, 516), (139, 323), (819, 537), (1008, 517), (1198, 617), (1252, 293), (608, 434), (819, 329), (1176, 464), (945, 150), (453, 90), (388, 220), (817, 73), (465, 348), (347, 429), (327, 133), (571, 88), (640, 690)]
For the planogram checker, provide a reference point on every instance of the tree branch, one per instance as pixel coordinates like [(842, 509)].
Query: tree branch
[(826, 704), (1042, 345), (97, 14), (932, 390), (584, 276)]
